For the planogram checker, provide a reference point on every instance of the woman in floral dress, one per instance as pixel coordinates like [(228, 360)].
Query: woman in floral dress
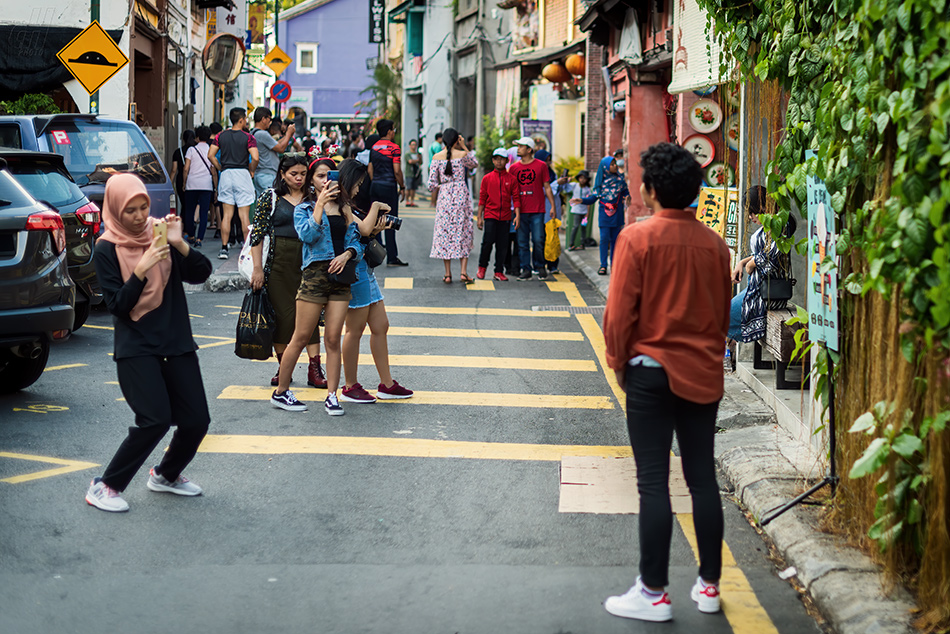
[(454, 228)]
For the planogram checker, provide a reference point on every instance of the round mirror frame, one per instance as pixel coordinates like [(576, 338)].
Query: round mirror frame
[(216, 50)]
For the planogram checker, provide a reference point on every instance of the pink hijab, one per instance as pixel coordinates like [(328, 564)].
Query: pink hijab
[(129, 247)]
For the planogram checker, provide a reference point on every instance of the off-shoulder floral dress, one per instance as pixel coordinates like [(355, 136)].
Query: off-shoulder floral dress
[(454, 232)]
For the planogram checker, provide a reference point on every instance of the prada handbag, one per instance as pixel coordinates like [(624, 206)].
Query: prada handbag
[(347, 275), (375, 253)]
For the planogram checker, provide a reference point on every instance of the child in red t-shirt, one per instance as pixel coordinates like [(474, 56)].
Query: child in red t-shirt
[(497, 195)]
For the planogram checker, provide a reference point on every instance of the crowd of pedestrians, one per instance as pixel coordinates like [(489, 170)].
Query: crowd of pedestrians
[(316, 237)]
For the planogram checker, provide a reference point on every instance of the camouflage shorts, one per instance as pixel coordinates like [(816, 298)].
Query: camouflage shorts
[(317, 288)]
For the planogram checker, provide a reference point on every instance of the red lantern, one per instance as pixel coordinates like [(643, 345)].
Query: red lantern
[(556, 73), (576, 64)]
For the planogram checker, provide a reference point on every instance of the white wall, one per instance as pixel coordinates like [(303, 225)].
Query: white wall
[(436, 77)]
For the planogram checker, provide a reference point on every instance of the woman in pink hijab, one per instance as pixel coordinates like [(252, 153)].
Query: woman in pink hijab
[(155, 358)]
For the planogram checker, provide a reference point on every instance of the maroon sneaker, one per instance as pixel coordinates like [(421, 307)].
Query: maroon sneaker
[(396, 391), (501, 277), (315, 376), (356, 394), (480, 274)]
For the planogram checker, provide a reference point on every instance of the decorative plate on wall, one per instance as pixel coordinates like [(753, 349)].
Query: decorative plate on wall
[(719, 174), (701, 148), (705, 92), (733, 94), (732, 131), (705, 115)]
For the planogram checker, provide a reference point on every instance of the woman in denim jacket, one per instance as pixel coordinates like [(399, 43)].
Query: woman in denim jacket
[(331, 238)]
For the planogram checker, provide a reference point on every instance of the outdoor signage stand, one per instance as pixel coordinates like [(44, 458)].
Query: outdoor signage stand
[(822, 303), (832, 478)]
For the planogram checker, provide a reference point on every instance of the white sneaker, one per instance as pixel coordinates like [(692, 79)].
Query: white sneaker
[(636, 605), (102, 496), (332, 405), (181, 486), (705, 596)]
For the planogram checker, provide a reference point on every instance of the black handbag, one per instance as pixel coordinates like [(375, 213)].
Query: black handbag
[(374, 254), (777, 289), (347, 275), (255, 327)]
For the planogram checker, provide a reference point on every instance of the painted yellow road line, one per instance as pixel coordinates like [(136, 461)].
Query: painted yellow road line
[(480, 312), (196, 316), (532, 335), (475, 399), (402, 447), (218, 343), (569, 289), (65, 367), (480, 285), (448, 361), (68, 467), (398, 283), (234, 307), (596, 338), (739, 603), (225, 339)]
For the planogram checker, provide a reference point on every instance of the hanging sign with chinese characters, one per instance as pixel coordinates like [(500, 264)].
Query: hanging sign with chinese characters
[(822, 292), (718, 209)]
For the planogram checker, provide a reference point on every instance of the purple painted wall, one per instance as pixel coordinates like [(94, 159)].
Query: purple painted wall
[(341, 28)]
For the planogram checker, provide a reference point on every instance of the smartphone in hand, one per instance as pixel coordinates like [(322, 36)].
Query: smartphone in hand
[(160, 230)]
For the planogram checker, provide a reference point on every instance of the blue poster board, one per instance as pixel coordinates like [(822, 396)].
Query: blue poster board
[(822, 293)]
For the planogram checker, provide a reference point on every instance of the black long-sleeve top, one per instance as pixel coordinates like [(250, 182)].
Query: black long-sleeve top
[(163, 332)]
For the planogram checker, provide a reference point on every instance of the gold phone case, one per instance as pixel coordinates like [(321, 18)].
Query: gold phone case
[(161, 229)]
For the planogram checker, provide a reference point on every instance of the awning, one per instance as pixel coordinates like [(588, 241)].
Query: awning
[(603, 16), (541, 55), (696, 51), (399, 13)]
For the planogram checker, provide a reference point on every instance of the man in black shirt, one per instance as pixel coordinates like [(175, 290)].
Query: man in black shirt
[(239, 159)]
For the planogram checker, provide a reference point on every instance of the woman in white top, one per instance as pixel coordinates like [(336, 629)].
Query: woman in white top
[(200, 183)]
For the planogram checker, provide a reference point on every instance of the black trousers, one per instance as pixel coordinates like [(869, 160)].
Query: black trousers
[(495, 234), (161, 392), (653, 414), (512, 264), (388, 194)]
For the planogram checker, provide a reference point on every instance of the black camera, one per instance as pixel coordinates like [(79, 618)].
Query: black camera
[(395, 221)]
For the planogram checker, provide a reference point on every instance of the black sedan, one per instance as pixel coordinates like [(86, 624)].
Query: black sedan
[(45, 177)]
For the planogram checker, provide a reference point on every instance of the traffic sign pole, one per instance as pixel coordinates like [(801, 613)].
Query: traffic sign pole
[(94, 16)]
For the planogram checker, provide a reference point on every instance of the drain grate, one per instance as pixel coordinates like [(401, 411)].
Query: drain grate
[(574, 310)]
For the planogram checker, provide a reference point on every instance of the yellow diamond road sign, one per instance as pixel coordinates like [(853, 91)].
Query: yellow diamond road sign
[(92, 57), (277, 60)]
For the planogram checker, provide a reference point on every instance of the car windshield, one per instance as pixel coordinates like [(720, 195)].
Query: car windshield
[(12, 192), (95, 150), (45, 181)]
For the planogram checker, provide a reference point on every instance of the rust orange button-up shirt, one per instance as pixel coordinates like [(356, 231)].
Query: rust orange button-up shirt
[(669, 299)]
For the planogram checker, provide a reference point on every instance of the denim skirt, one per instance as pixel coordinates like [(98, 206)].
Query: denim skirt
[(366, 289)]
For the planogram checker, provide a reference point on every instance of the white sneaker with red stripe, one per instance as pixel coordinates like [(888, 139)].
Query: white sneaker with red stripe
[(640, 603), (706, 596)]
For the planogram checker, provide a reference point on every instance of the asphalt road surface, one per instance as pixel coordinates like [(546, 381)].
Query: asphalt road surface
[(438, 514)]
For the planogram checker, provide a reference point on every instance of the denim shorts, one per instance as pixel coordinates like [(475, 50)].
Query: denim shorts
[(366, 290)]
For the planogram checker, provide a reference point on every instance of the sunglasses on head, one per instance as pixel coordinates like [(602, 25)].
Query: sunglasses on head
[(293, 155)]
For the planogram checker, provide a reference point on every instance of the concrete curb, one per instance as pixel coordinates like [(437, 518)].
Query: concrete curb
[(767, 467)]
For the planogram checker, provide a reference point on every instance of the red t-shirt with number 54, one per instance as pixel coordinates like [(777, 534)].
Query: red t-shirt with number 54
[(531, 179)]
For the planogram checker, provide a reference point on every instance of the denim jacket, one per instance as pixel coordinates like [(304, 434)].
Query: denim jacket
[(317, 243)]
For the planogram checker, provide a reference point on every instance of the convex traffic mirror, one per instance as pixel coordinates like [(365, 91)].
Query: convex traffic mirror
[(223, 58)]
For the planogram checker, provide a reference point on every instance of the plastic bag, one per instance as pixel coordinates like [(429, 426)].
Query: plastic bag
[(255, 327), (552, 240), (245, 261)]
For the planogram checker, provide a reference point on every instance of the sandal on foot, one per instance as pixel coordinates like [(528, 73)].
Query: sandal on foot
[(447, 279), (465, 279), (602, 271)]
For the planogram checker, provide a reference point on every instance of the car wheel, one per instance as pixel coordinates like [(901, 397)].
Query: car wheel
[(82, 314), (17, 373)]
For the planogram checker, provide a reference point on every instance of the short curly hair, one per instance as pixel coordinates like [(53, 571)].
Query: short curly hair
[(672, 174)]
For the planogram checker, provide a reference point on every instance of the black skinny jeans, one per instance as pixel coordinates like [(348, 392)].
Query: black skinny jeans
[(496, 234), (161, 392), (653, 414)]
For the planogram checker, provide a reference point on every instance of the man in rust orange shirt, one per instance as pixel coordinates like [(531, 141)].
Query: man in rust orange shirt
[(665, 327)]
